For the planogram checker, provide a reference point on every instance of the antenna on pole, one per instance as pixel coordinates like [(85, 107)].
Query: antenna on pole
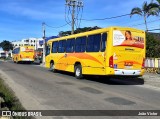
[(74, 7)]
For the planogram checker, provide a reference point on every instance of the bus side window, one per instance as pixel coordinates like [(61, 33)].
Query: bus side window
[(54, 47), (13, 51), (60, 47), (93, 43), (80, 44), (68, 42), (103, 42), (47, 50), (70, 45), (64, 46), (18, 50)]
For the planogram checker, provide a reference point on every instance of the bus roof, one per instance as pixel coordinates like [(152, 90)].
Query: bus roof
[(94, 32)]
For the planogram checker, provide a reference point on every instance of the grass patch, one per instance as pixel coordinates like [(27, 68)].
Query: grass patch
[(10, 100)]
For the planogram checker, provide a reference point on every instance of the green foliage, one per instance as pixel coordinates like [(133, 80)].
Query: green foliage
[(152, 46), (11, 100), (6, 45), (78, 30)]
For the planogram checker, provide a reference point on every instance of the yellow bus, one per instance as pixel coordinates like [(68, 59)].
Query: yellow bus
[(23, 54), (116, 51)]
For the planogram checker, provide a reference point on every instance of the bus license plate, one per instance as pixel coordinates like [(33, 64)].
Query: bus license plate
[(128, 67)]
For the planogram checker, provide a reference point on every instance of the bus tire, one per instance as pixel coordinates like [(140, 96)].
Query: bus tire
[(14, 61), (78, 71), (17, 61), (52, 67)]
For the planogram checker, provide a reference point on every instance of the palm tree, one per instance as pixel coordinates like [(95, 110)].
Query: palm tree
[(146, 11), (158, 1)]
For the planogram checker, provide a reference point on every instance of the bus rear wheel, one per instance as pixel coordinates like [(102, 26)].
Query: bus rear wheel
[(78, 71)]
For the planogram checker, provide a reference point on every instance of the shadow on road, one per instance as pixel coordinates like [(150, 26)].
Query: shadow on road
[(29, 63), (107, 79), (101, 79), (116, 80)]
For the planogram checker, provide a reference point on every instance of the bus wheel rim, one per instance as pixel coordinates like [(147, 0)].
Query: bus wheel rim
[(52, 66), (78, 72)]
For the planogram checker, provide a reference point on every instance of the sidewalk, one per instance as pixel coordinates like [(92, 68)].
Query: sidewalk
[(152, 79)]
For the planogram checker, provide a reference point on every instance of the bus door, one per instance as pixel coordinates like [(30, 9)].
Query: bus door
[(47, 55)]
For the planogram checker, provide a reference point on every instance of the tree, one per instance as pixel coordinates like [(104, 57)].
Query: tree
[(6, 45), (152, 46), (158, 1), (147, 10), (78, 30)]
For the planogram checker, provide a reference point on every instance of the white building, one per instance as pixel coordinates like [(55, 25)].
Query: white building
[(30, 41)]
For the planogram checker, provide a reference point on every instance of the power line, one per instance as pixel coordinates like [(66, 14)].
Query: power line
[(70, 22), (144, 23), (153, 29), (73, 4), (106, 18)]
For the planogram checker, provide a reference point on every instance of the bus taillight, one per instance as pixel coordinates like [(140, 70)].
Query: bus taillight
[(143, 63), (111, 62)]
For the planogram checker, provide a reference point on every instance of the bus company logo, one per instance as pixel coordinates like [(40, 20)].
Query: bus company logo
[(6, 113)]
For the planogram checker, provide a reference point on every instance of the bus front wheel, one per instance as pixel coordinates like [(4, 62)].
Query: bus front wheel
[(17, 61), (52, 67), (78, 71)]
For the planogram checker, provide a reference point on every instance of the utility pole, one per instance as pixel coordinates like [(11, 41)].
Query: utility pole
[(74, 4), (44, 44), (73, 20)]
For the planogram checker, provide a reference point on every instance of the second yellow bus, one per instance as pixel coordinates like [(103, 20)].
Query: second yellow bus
[(23, 54)]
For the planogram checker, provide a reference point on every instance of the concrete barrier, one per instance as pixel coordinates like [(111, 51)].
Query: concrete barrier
[(152, 65)]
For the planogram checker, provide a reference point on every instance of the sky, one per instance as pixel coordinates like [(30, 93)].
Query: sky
[(21, 19)]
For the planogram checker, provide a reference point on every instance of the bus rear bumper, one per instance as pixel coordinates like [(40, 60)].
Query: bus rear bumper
[(127, 72), (27, 59)]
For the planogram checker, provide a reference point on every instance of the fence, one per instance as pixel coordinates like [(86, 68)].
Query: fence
[(152, 65)]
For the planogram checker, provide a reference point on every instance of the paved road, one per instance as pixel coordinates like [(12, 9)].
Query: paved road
[(38, 88)]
